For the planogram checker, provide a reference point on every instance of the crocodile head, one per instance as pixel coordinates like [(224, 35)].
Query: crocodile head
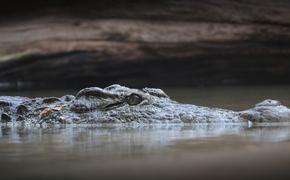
[(119, 104)]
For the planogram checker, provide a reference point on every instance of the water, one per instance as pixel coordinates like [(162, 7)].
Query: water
[(174, 151)]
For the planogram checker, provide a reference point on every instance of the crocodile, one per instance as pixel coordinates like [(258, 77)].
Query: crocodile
[(119, 104)]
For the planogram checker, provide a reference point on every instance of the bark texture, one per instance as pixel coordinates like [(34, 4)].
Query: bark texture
[(153, 43)]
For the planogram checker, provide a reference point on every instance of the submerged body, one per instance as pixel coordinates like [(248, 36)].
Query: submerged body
[(119, 104)]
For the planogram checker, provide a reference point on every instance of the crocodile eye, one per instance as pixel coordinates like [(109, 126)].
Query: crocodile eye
[(133, 99)]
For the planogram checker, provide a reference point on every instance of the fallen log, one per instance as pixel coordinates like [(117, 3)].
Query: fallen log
[(158, 43)]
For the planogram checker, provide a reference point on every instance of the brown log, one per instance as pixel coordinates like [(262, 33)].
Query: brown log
[(172, 42)]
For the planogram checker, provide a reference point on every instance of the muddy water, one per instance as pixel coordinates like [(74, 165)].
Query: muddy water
[(217, 151)]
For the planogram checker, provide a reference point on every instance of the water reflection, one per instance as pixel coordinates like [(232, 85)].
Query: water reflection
[(121, 141), (155, 134)]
